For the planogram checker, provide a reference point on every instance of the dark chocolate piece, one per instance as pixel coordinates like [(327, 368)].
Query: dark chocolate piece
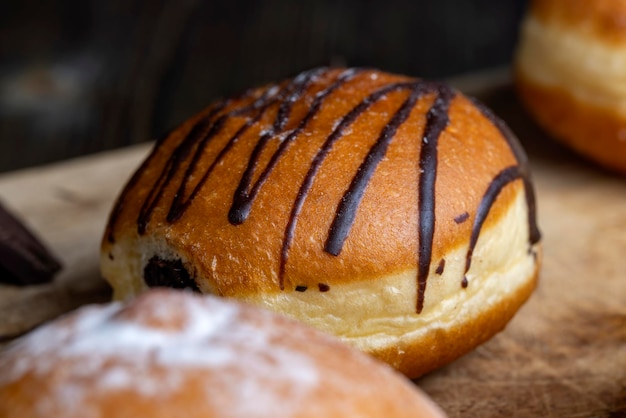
[(24, 260), (462, 218), (168, 273), (301, 288), (441, 267), (323, 287)]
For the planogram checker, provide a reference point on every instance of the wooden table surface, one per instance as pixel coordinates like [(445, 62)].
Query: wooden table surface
[(563, 355)]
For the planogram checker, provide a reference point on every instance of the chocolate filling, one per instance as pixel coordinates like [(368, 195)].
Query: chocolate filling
[(323, 287), (464, 282), (441, 267), (168, 273)]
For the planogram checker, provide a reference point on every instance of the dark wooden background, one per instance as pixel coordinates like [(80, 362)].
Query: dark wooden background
[(79, 76)]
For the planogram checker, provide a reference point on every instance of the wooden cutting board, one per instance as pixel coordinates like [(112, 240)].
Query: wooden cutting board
[(563, 355)]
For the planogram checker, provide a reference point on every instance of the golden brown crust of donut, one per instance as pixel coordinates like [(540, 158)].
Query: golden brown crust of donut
[(293, 371), (595, 132), (605, 19), (371, 249)]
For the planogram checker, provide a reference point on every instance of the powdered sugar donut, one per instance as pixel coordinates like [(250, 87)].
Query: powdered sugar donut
[(170, 354)]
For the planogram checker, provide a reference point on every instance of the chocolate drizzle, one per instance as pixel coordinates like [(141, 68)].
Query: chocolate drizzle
[(436, 122), (522, 164), (334, 241), (199, 137), (189, 152), (503, 178), (346, 211), (119, 204), (246, 191)]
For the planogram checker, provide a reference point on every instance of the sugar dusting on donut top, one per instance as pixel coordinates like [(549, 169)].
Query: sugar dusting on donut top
[(151, 346), (181, 171)]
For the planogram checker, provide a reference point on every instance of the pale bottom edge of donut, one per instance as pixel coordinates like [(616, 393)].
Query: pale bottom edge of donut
[(417, 355), (416, 344), (379, 316), (594, 132)]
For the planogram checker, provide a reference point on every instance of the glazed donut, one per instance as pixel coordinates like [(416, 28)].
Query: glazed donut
[(570, 72), (392, 212), (175, 354)]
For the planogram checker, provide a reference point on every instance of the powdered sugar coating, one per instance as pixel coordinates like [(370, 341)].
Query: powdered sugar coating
[(121, 352), (171, 353)]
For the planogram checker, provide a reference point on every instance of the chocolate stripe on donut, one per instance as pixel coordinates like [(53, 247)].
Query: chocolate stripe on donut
[(246, 191), (179, 205), (179, 154), (200, 134), (437, 120), (522, 160), (346, 212), (119, 204), (503, 178)]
